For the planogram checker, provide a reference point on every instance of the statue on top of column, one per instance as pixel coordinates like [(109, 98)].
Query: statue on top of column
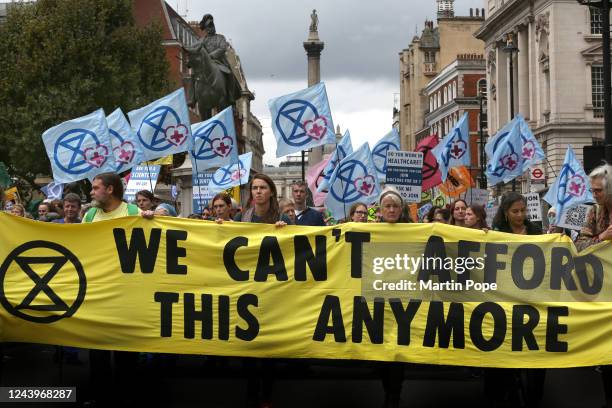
[(314, 21)]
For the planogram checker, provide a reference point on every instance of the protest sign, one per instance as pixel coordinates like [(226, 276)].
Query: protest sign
[(575, 217), (141, 178), (201, 194), (405, 173), (534, 207)]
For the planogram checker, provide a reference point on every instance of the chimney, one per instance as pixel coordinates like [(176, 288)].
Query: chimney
[(482, 14), (477, 12), (471, 12), (446, 8)]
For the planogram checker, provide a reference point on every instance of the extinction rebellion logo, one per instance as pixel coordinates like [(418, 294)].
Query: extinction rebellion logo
[(42, 282)]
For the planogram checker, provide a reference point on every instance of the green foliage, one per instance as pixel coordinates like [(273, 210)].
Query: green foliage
[(61, 59)]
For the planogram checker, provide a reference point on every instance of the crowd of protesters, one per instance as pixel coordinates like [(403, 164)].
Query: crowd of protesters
[(264, 207)]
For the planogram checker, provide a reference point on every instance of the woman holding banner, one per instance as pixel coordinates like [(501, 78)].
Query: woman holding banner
[(476, 217), (598, 226), (263, 204), (511, 216), (510, 385), (391, 208), (263, 208), (457, 210), (358, 212)]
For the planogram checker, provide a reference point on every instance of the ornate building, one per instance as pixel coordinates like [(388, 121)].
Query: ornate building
[(557, 72), (436, 47), (454, 91)]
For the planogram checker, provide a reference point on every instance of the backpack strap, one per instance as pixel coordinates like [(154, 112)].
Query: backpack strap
[(132, 209), (90, 214)]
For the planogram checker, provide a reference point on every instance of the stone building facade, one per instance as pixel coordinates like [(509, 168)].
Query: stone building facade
[(557, 72), (426, 55), (454, 91)]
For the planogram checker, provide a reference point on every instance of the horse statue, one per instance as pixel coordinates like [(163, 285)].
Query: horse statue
[(213, 82)]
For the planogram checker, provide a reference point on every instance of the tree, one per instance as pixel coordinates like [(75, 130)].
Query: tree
[(61, 59)]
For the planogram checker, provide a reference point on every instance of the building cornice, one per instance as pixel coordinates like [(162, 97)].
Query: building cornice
[(508, 17), (570, 127)]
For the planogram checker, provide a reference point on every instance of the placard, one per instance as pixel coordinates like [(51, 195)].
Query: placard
[(141, 178), (405, 173)]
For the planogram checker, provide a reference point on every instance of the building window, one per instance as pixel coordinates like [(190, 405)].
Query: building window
[(431, 105), (596, 23), (445, 96), (454, 90), (597, 90), (482, 87)]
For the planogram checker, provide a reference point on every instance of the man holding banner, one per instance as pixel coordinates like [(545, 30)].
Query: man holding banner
[(107, 199)]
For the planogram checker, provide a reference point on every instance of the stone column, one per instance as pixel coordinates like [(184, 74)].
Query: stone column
[(313, 47), (533, 68), (503, 95), (523, 73)]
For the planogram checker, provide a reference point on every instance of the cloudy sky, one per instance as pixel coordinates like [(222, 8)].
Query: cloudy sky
[(359, 64)]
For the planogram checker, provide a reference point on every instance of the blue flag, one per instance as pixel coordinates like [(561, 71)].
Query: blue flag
[(512, 151), (231, 175), (343, 149), (53, 190), (302, 120), (391, 141), (353, 180), (79, 148), (571, 188), (454, 149), (163, 127), (126, 147), (214, 141)]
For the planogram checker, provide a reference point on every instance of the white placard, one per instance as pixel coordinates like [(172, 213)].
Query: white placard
[(534, 207)]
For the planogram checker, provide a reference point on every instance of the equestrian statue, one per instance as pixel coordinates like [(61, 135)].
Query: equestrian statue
[(213, 83)]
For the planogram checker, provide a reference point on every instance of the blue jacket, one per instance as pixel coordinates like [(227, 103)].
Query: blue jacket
[(310, 217)]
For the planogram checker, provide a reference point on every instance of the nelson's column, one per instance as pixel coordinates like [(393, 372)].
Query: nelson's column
[(313, 46)]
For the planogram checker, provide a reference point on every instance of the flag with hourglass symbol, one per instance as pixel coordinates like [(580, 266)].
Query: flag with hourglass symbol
[(454, 149)]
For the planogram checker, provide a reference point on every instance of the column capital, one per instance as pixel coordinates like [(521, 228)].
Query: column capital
[(314, 48)]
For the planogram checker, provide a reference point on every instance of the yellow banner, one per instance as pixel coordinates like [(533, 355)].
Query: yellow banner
[(352, 291), (166, 160)]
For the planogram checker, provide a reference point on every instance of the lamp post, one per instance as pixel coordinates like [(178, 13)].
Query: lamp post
[(511, 48), (604, 6), (482, 97)]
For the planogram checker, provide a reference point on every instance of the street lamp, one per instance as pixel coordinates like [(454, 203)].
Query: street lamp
[(482, 98), (511, 48), (604, 6)]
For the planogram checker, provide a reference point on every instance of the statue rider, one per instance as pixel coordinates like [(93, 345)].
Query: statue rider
[(216, 46)]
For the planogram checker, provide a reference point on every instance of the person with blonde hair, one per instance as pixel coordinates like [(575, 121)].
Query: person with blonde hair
[(18, 210), (597, 227), (287, 207)]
